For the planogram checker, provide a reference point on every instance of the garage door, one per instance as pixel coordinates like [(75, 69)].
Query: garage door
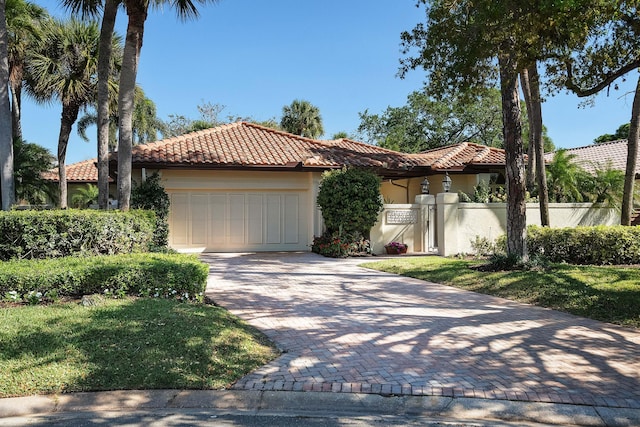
[(238, 221)]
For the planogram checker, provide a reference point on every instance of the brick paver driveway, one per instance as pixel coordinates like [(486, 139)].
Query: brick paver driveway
[(347, 329)]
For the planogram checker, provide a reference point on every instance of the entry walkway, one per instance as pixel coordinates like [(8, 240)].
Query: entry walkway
[(346, 329)]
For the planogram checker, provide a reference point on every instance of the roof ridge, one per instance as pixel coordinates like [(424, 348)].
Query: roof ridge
[(461, 146), (593, 145), (278, 131), (481, 154)]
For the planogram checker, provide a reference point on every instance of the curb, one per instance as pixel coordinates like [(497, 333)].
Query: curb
[(314, 403)]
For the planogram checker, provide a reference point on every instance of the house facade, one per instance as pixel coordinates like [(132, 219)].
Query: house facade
[(245, 187)]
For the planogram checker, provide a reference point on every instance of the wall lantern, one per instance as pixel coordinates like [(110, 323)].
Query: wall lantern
[(424, 185), (446, 182)]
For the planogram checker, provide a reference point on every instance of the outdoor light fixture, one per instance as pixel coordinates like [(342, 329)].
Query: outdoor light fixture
[(446, 182), (424, 185)]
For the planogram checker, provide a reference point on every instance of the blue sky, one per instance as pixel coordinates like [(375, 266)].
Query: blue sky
[(255, 56)]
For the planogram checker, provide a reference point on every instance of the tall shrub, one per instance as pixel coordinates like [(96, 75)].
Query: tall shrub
[(350, 200), (150, 195)]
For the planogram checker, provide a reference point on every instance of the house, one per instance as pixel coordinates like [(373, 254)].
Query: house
[(79, 175), (245, 187)]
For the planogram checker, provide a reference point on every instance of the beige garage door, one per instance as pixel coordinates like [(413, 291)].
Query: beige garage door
[(238, 221)]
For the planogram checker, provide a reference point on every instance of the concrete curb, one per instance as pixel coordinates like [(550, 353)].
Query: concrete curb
[(310, 403)]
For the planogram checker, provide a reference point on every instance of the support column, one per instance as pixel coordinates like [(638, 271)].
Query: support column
[(426, 225), (447, 223)]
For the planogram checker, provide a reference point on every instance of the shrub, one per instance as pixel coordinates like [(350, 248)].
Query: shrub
[(152, 196), (157, 275), (350, 200), (52, 234), (598, 245), (337, 245)]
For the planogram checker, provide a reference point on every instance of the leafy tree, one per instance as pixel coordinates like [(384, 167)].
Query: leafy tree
[(462, 42), (607, 186), (151, 195), (29, 162), (6, 144), (340, 135), (350, 200), (302, 118), (85, 196), (621, 133), (428, 122), (564, 177), (64, 67), (23, 25)]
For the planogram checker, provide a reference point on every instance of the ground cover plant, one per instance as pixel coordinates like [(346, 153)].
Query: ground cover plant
[(610, 294), (130, 343)]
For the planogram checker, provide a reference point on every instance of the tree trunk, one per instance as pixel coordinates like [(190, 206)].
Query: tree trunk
[(69, 117), (137, 12), (16, 108), (104, 72), (512, 132), (538, 144), (632, 158), (531, 158), (7, 187)]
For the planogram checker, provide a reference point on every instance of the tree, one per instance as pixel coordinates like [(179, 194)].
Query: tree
[(428, 122), (137, 15), (340, 135), (23, 25), (64, 67), (302, 118), (621, 133), (564, 177), (6, 144), (85, 196), (611, 51), (459, 48), (30, 161)]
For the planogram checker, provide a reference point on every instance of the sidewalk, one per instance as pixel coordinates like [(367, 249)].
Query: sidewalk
[(260, 403)]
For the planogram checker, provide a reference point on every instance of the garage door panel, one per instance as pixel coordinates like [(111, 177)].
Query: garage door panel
[(291, 218), (274, 218), (179, 232), (254, 219), (217, 218), (236, 218), (199, 219)]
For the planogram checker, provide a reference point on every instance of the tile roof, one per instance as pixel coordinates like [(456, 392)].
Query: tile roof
[(599, 155), (464, 154), (244, 144), (85, 171)]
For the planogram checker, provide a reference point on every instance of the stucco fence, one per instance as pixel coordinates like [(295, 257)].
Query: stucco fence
[(442, 225)]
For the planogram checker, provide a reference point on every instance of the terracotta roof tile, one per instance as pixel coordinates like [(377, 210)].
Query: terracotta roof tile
[(85, 171), (459, 156), (599, 155)]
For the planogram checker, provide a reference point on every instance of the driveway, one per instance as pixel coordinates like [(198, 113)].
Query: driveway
[(346, 329)]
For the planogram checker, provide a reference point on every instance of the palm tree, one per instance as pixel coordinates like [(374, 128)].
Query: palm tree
[(563, 176), (64, 67), (85, 196), (23, 25), (302, 118), (137, 13), (6, 144), (30, 161)]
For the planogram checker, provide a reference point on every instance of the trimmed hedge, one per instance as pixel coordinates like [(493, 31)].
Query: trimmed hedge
[(598, 245), (60, 233), (143, 274)]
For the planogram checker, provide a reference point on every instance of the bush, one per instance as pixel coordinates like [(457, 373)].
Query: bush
[(60, 233), (157, 275), (350, 200), (598, 245), (337, 245), (152, 196)]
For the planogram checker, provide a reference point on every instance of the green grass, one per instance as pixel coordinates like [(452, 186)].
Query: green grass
[(610, 294), (133, 343)]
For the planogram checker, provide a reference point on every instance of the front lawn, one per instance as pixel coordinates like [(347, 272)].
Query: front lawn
[(610, 294), (131, 343)]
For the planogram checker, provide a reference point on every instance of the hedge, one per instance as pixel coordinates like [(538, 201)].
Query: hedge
[(60, 233), (599, 245), (143, 274)]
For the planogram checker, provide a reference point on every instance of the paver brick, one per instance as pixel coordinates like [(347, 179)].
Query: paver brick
[(347, 329)]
